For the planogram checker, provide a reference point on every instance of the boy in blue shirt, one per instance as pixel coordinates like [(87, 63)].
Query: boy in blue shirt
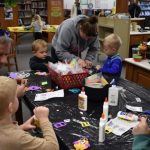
[(113, 64)]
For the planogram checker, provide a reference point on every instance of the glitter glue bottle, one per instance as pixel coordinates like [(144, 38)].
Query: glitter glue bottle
[(102, 128), (106, 109), (82, 100)]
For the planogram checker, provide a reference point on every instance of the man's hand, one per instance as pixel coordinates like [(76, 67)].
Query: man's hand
[(28, 124), (141, 128)]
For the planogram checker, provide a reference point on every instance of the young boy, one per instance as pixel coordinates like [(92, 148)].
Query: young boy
[(12, 136), (141, 134), (113, 64), (40, 59)]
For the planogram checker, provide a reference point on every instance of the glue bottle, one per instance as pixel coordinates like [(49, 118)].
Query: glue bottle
[(106, 109), (113, 95), (127, 116), (102, 128), (82, 100)]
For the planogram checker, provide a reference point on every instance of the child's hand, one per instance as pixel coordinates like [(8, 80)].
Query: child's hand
[(21, 88), (141, 128), (28, 124), (98, 67), (41, 113)]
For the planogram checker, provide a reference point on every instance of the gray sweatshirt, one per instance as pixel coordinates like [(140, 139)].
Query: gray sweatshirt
[(68, 44)]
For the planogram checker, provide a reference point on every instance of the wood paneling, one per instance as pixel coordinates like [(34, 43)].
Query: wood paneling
[(121, 6), (9, 23), (138, 75)]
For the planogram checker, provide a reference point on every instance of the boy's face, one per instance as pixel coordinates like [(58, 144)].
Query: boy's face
[(41, 53), (108, 48), (4, 50)]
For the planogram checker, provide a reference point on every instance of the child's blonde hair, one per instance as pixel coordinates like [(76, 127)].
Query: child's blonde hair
[(114, 41), (38, 18), (37, 44), (8, 89)]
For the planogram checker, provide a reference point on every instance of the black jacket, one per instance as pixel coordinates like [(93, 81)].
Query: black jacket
[(38, 64), (134, 10)]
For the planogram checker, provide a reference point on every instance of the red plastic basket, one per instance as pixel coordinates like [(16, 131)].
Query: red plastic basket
[(67, 81)]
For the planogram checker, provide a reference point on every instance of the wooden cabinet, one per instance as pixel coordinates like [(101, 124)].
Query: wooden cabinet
[(135, 40), (120, 27), (138, 75), (121, 6)]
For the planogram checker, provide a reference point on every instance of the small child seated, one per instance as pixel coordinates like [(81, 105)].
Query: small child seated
[(39, 62), (13, 137), (141, 134), (113, 65)]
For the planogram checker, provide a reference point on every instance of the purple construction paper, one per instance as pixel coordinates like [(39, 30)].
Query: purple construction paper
[(13, 75), (34, 88)]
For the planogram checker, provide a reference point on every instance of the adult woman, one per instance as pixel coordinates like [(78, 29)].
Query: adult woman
[(75, 35)]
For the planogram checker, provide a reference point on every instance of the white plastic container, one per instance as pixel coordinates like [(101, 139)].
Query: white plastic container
[(113, 95), (106, 109), (127, 116), (82, 100), (102, 128)]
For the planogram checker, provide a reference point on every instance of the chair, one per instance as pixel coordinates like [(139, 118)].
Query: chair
[(12, 55)]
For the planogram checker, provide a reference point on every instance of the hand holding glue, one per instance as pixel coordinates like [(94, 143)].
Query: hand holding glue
[(127, 116)]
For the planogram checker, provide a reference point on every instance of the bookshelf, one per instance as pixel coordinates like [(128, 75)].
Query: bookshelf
[(27, 8)]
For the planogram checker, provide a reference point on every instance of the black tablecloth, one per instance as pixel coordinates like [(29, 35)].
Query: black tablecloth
[(66, 108)]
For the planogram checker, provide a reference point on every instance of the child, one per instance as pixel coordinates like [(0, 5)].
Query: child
[(37, 25), (142, 136), (113, 64), (22, 140), (40, 59)]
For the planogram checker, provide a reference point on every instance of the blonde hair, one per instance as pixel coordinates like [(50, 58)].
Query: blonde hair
[(38, 18), (37, 44), (114, 41), (8, 89)]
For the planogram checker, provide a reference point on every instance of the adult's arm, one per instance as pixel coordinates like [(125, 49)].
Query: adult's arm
[(93, 50)]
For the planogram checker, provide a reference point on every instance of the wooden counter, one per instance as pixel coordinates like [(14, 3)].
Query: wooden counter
[(136, 38), (138, 72)]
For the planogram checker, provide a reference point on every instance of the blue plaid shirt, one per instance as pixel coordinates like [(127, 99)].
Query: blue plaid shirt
[(112, 66)]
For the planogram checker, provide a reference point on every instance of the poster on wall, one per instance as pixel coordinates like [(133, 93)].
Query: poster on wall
[(56, 10), (84, 2)]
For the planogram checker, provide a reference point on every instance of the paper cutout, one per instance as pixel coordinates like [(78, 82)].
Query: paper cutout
[(48, 95), (85, 124), (13, 75), (34, 88), (44, 83), (81, 144), (59, 124)]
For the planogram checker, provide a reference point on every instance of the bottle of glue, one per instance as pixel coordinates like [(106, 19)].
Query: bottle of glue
[(106, 109), (82, 100), (102, 128)]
